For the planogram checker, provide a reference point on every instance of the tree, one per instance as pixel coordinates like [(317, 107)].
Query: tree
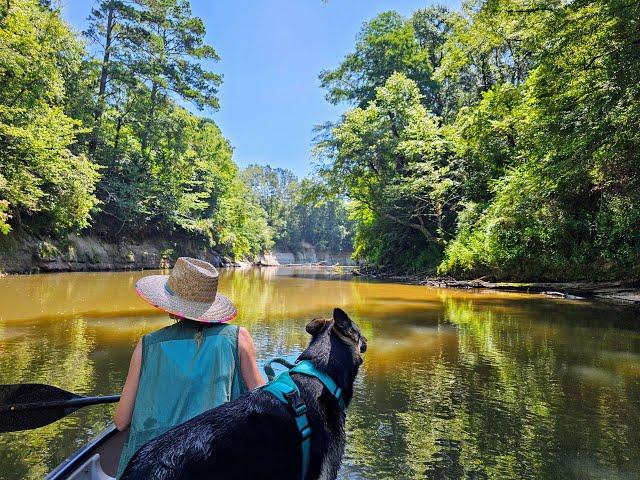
[(557, 212), (39, 175), (297, 211), (172, 45), (150, 53), (392, 160), (102, 142), (274, 189), (386, 44), (535, 161), (153, 47)]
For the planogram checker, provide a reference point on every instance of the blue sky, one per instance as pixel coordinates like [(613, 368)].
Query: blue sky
[(271, 54)]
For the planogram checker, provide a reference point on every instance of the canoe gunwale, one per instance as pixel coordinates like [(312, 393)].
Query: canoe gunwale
[(76, 459)]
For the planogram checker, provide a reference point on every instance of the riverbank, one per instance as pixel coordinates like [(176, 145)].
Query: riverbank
[(28, 254), (627, 292), (23, 254)]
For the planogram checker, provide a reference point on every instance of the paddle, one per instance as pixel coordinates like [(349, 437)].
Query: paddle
[(31, 405)]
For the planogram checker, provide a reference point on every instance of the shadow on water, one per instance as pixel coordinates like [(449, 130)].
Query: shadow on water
[(455, 384)]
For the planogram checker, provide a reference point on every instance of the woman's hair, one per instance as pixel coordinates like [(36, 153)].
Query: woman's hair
[(199, 335)]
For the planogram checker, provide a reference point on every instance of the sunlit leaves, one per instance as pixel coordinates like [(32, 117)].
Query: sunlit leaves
[(392, 160), (102, 141), (386, 44), (298, 211), (535, 146), (40, 176), (569, 132)]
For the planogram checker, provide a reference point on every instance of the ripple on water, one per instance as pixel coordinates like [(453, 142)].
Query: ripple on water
[(587, 468), (594, 376), (624, 363), (15, 333)]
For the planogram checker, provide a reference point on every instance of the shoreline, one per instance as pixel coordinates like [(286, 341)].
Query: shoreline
[(621, 292), (22, 254), (153, 258)]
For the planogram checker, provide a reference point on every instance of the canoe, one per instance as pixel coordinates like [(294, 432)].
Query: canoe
[(97, 460)]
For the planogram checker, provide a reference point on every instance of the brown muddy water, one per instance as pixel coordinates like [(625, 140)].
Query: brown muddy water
[(455, 384)]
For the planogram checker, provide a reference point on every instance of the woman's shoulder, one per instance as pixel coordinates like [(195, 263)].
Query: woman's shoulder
[(243, 334), (245, 341)]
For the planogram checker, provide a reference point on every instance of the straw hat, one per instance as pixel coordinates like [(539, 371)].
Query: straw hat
[(189, 291)]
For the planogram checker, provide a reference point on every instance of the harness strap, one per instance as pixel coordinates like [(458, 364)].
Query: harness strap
[(305, 367), (268, 368), (286, 391)]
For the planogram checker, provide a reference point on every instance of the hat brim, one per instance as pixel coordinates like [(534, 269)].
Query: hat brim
[(152, 290)]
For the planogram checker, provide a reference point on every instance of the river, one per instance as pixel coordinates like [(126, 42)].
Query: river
[(455, 384)]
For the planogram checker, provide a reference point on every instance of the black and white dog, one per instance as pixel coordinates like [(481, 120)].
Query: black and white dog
[(255, 437)]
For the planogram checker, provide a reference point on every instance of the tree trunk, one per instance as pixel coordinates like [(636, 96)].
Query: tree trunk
[(420, 228), (150, 115), (116, 141), (104, 76)]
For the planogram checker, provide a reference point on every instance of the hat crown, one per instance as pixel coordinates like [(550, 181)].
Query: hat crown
[(194, 280)]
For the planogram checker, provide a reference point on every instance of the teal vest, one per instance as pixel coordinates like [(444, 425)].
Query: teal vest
[(180, 379)]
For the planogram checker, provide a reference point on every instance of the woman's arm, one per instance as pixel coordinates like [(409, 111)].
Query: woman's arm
[(248, 365), (124, 410)]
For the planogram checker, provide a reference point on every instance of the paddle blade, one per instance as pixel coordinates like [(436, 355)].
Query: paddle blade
[(32, 405)]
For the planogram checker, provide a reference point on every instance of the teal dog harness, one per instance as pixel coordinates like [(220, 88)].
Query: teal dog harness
[(286, 390)]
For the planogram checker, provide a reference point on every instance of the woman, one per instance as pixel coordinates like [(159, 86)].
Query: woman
[(187, 368)]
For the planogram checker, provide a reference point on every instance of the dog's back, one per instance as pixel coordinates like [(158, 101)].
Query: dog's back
[(248, 438)]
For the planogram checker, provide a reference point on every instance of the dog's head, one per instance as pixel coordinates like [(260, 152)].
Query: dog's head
[(343, 327)]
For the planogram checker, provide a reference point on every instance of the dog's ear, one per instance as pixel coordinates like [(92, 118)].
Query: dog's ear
[(315, 325), (342, 319)]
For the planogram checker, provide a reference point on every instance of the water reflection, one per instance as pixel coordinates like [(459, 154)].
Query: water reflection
[(455, 384)]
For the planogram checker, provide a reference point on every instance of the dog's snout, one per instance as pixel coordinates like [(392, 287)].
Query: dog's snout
[(363, 345)]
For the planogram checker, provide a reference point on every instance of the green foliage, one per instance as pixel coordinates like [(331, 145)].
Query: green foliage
[(299, 211), (4, 217), (486, 138), (241, 222), (102, 142), (534, 149), (559, 213), (40, 178), (275, 191), (392, 159), (319, 219), (381, 242), (387, 44)]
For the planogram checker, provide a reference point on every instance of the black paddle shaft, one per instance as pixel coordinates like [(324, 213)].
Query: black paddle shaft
[(32, 405)]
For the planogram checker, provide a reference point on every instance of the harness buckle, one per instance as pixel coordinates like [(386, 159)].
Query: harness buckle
[(295, 402)]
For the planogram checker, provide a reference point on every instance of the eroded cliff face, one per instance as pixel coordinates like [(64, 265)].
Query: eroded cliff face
[(306, 256), (28, 254)]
